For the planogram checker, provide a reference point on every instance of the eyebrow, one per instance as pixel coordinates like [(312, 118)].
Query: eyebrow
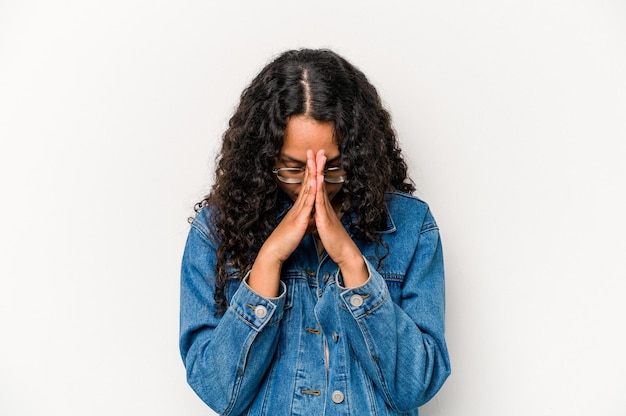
[(286, 157)]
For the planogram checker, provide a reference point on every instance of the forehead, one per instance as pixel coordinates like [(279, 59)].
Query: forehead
[(303, 133)]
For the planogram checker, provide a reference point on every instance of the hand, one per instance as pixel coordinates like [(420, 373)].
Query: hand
[(333, 235), (265, 274)]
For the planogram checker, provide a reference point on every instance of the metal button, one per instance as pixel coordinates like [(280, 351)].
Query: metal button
[(260, 312), (326, 276), (337, 396), (356, 300)]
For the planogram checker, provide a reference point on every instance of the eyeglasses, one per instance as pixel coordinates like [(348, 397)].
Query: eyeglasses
[(332, 175)]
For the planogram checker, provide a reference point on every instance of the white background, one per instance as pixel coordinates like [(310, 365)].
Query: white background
[(511, 113)]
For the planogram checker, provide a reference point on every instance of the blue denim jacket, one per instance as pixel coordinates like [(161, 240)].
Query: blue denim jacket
[(320, 348)]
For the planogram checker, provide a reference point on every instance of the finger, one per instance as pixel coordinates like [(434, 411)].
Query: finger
[(307, 186), (306, 182), (320, 161), (311, 165), (324, 213)]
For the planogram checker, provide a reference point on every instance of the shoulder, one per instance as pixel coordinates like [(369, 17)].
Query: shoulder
[(407, 210), (204, 224), (404, 200)]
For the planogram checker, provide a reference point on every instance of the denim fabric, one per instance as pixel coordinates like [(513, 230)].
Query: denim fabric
[(320, 348)]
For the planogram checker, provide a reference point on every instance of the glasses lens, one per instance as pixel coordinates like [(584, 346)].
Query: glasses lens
[(334, 180), (289, 175), (334, 174)]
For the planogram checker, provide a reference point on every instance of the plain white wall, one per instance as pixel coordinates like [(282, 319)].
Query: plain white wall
[(513, 117)]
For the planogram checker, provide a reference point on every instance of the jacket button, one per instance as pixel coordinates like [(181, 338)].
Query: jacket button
[(260, 312), (356, 300), (337, 396)]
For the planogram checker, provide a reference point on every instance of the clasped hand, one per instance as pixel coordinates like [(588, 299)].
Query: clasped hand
[(311, 207)]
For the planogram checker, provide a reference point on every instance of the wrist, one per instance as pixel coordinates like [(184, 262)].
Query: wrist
[(354, 271), (265, 275)]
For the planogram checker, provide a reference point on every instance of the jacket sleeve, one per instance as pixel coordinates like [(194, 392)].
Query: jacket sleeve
[(225, 356), (402, 346)]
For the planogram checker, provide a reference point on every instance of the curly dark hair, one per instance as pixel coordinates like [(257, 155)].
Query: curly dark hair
[(245, 197)]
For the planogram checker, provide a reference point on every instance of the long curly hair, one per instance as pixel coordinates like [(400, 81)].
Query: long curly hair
[(245, 196)]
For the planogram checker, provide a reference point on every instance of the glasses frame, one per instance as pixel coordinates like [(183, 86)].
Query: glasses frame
[(293, 181)]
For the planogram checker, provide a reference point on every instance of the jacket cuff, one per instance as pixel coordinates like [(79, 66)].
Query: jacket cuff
[(361, 300), (256, 310)]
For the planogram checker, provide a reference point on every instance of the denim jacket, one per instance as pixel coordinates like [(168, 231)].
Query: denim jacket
[(320, 348)]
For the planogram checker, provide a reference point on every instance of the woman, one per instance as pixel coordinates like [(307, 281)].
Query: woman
[(312, 281)]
